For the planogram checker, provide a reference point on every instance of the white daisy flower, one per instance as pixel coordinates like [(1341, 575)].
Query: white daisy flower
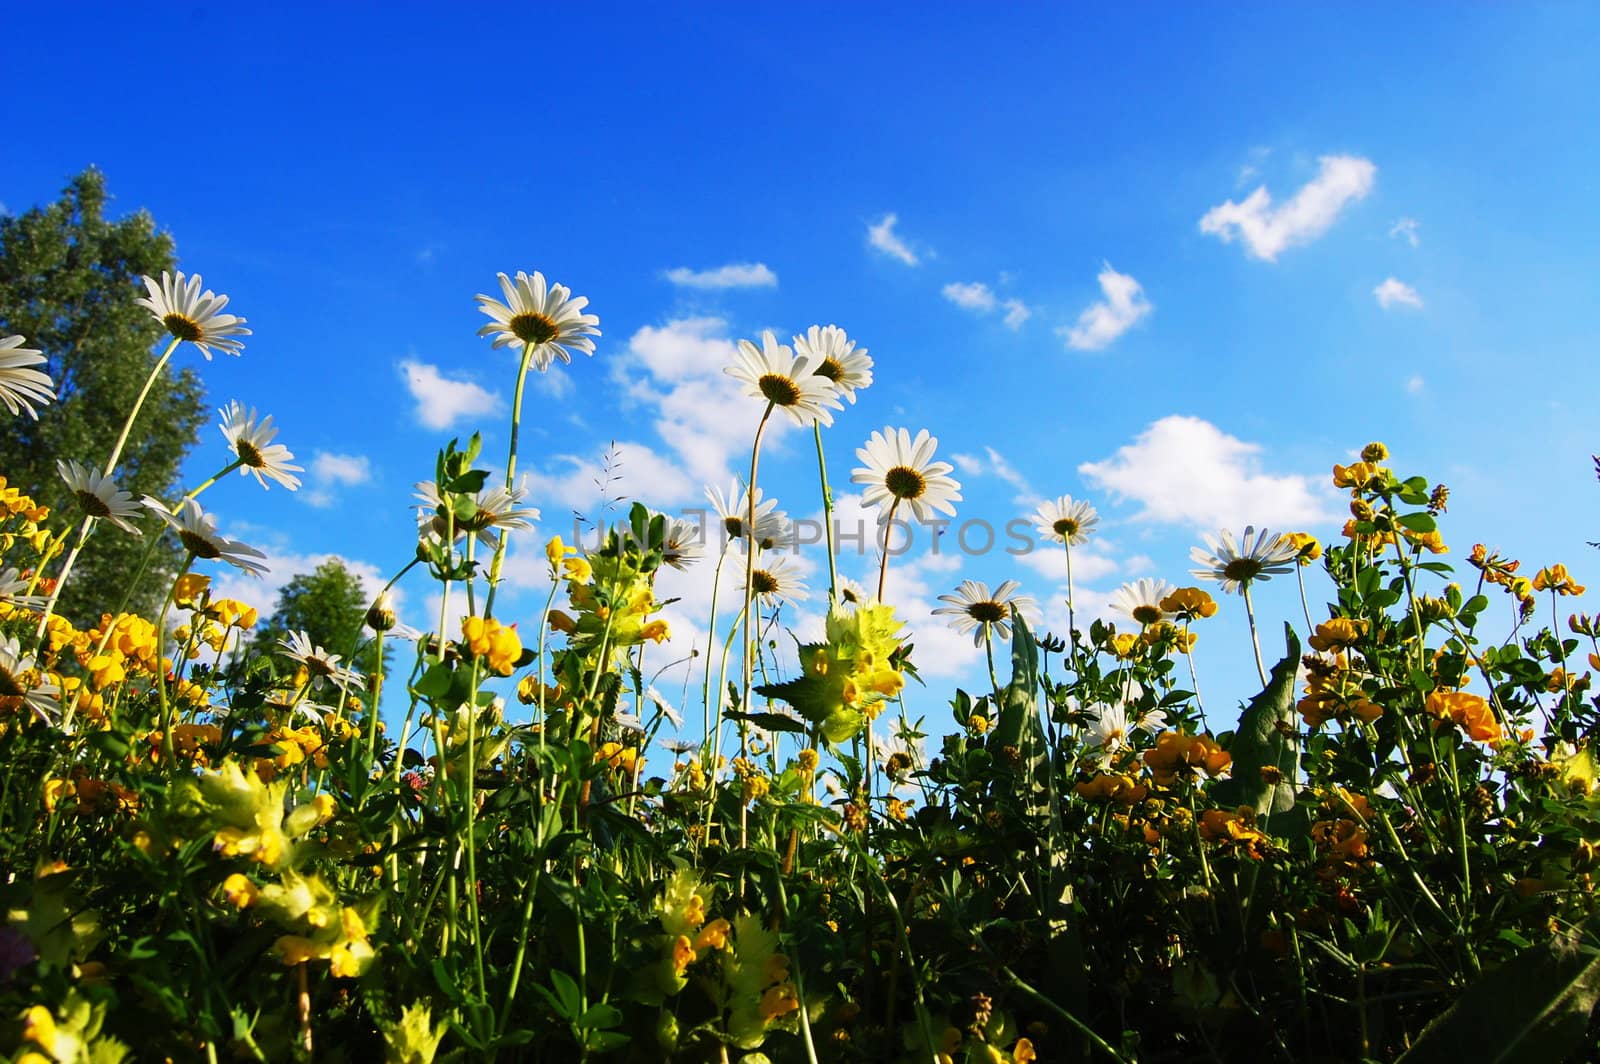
[(496, 508), (775, 580), (320, 664), (197, 531), (772, 372), (852, 594), (900, 469), (189, 314), (1066, 520), (1108, 728), (974, 609), (835, 356), (681, 542), (99, 496), (251, 440), (679, 746), (14, 589), (667, 708), (21, 386), (544, 316), (1141, 600), (733, 510), (19, 679), (1237, 563)]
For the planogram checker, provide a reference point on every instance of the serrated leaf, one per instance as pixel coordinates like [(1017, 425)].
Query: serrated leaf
[(1536, 1006), (1258, 743)]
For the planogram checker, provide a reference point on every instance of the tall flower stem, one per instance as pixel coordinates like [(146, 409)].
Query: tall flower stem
[(1194, 677), (711, 636), (749, 578), (111, 467), (161, 678), (1255, 640), (888, 532), (133, 415), (827, 518), (1305, 606), (511, 477)]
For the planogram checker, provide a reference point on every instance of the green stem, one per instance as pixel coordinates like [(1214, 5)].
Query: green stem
[(827, 525), (133, 415), (1255, 640), (511, 476)]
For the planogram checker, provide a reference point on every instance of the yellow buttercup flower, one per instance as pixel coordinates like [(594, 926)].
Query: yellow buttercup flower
[(1189, 603)]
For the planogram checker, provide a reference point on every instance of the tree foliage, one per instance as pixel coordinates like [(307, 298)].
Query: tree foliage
[(68, 281), (330, 606)]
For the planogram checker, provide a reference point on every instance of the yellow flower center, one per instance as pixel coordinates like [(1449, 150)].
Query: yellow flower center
[(778, 389), (763, 582), (1066, 527), (831, 369), (183, 326), (198, 545), (905, 483), (249, 455), (533, 329), (1242, 569), (1146, 613), (10, 684), (93, 505), (989, 612), (734, 527)]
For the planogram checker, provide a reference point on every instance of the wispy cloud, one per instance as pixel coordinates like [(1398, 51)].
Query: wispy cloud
[(980, 299), (329, 472), (442, 401), (881, 235), (1267, 230), (1396, 293), (1103, 321), (995, 464), (1406, 229), (733, 275), (973, 295), (1415, 385), (1186, 471)]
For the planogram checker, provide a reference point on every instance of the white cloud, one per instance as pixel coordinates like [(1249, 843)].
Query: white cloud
[(1415, 385), (970, 296), (284, 564), (1268, 230), (628, 471), (1102, 322), (1185, 470), (733, 275), (995, 464), (442, 401), (881, 235), (1393, 292), (1406, 229), (330, 471), (980, 298), (678, 371)]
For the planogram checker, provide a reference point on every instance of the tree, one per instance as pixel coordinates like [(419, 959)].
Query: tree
[(330, 606), (68, 282)]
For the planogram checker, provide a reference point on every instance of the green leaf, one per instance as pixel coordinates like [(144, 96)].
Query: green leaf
[(435, 682), (602, 1015), (1536, 1006), (1417, 522), (768, 721), (566, 989), (1019, 706), (1259, 744)]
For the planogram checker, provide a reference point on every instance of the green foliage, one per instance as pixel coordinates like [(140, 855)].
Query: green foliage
[(68, 280), (330, 606)]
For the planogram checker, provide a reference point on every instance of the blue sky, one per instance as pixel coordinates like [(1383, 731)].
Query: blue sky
[(1421, 267)]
